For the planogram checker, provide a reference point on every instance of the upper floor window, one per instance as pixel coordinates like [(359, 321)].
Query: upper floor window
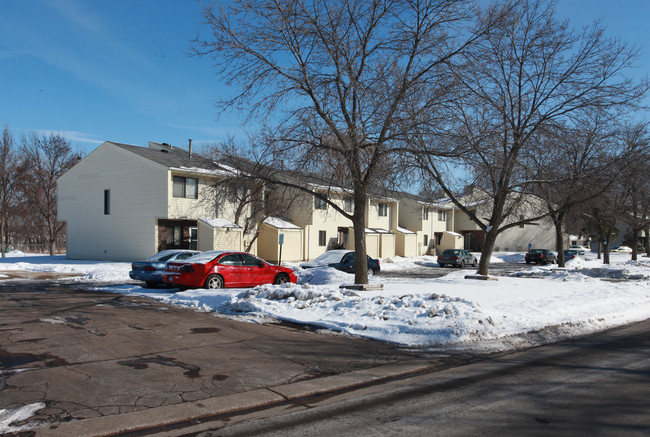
[(320, 203), (383, 209), (425, 213), (348, 204), (185, 187), (442, 216)]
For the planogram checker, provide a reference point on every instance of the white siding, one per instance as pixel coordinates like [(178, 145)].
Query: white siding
[(138, 196)]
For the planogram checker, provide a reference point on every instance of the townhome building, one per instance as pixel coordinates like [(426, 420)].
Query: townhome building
[(538, 234), (323, 226), (125, 202), (430, 223)]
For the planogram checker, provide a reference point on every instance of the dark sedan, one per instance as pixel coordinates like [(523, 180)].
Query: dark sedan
[(540, 256), (457, 257), (151, 270), (341, 260)]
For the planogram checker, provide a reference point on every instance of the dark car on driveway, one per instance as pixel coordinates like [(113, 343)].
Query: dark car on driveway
[(341, 260), (457, 257), (573, 253), (225, 269), (151, 270), (540, 256)]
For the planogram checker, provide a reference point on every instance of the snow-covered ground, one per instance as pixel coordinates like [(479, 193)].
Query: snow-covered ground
[(536, 305)]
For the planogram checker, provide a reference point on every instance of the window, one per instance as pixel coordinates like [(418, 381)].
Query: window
[(174, 236), (107, 202), (426, 241), (425, 213), (251, 261), (322, 238), (236, 193), (438, 238), (233, 259), (383, 209), (349, 204), (320, 203), (442, 216), (185, 187)]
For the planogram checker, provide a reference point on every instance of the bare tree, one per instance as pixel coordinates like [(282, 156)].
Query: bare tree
[(46, 159), (9, 177), (532, 71), (340, 82), (636, 183), (573, 166)]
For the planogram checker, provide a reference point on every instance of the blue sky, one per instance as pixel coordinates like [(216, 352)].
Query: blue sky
[(118, 70)]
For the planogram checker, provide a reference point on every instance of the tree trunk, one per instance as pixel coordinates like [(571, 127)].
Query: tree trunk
[(635, 242), (359, 224), (486, 253), (559, 239), (2, 236), (606, 241), (647, 241)]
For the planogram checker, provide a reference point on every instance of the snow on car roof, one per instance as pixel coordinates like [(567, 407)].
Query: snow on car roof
[(329, 257)]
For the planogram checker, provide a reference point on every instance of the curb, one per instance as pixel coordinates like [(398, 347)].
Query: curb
[(169, 415)]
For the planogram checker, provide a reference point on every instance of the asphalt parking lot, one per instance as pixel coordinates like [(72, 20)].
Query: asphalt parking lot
[(95, 358)]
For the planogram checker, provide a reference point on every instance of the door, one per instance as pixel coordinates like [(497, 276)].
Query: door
[(256, 272), (232, 268)]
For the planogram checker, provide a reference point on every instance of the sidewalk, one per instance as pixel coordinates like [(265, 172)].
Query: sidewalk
[(107, 364)]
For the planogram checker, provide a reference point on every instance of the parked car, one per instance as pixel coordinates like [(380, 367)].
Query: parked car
[(578, 247), (221, 269), (457, 257), (621, 249), (151, 270), (540, 256), (343, 260), (572, 253)]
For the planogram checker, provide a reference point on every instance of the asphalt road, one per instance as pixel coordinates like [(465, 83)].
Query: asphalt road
[(596, 386)]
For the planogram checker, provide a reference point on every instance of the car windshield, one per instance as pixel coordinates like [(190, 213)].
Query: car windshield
[(537, 251)]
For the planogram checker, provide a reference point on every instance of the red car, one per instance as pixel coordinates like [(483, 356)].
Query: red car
[(220, 269)]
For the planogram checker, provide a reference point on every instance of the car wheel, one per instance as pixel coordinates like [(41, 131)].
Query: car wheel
[(527, 262), (281, 278), (371, 272), (214, 281), (474, 263), (150, 284), (462, 264), (441, 265)]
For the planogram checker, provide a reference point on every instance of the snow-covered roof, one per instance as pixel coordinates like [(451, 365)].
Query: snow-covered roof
[(404, 230), (280, 223), (377, 231), (455, 234), (219, 223)]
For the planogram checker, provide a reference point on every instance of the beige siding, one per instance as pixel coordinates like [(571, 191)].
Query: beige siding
[(406, 244), (211, 238), (269, 247), (138, 196)]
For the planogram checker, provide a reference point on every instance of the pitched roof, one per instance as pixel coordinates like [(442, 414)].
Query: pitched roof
[(171, 157)]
